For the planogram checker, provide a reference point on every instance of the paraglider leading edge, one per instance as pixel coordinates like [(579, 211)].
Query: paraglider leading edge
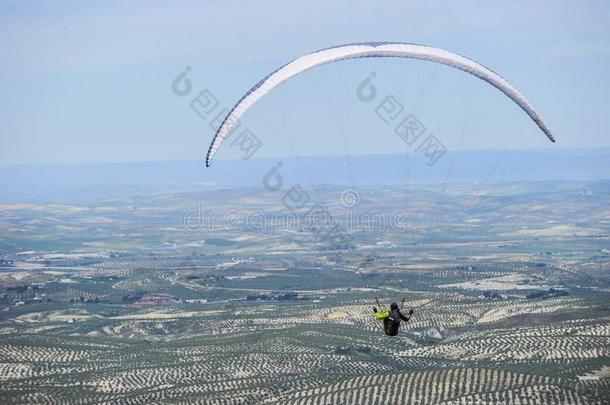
[(368, 50)]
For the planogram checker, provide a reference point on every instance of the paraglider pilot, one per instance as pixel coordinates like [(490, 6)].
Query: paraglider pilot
[(391, 319)]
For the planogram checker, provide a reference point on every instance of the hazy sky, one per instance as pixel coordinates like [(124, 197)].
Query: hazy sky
[(91, 81)]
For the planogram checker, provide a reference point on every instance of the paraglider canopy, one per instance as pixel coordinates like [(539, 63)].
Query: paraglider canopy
[(369, 50)]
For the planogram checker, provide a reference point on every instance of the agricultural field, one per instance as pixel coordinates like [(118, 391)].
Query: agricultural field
[(150, 300)]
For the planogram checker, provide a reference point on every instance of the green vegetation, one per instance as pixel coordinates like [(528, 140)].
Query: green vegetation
[(510, 286)]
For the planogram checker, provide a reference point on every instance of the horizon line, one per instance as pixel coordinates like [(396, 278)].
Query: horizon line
[(600, 148)]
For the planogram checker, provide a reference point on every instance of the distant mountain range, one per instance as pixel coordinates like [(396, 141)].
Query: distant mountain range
[(78, 182)]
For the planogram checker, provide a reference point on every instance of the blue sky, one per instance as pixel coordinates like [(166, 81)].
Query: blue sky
[(90, 81)]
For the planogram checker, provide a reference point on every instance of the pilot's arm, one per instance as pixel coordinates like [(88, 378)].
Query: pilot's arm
[(381, 315), (404, 318)]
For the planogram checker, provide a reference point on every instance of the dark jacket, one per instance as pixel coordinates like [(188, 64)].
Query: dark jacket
[(391, 320)]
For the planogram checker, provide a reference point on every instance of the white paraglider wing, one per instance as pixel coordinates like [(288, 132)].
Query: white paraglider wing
[(368, 50)]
